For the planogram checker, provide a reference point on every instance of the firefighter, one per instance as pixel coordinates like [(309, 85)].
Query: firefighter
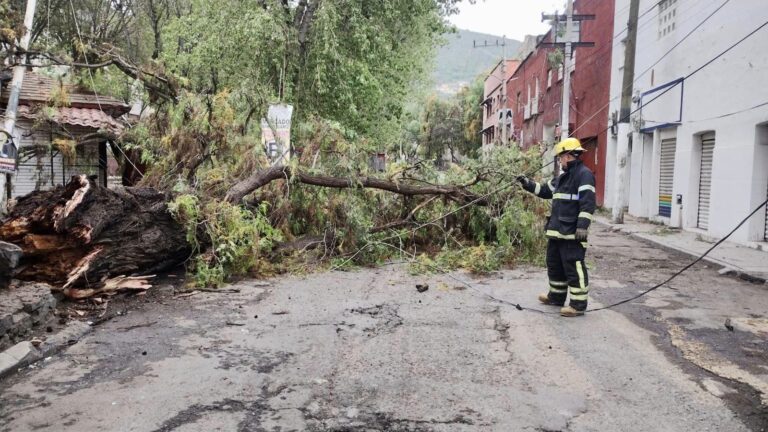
[(573, 204)]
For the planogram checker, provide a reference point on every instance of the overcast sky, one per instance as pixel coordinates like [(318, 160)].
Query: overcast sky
[(513, 18)]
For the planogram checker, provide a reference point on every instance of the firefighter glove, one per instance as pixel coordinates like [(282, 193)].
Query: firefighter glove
[(523, 180), (581, 234)]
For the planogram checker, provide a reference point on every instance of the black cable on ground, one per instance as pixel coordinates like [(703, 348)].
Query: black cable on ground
[(697, 260), (520, 307)]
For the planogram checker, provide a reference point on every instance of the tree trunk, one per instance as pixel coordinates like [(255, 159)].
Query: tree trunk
[(81, 234)]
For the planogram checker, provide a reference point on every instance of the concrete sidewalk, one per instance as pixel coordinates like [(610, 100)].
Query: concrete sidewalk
[(748, 263)]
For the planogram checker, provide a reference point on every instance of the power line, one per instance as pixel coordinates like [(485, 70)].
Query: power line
[(699, 69), (679, 272), (719, 116), (676, 274), (637, 78), (93, 84), (641, 26)]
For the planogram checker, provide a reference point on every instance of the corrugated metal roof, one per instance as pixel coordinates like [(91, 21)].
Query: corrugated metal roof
[(87, 117), (38, 88)]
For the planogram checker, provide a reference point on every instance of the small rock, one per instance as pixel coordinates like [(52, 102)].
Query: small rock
[(36, 342), (728, 324), (422, 287)]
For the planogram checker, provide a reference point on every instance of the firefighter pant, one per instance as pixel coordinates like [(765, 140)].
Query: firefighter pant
[(567, 272)]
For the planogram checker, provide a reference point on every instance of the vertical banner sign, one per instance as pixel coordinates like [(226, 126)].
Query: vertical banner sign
[(276, 133), (8, 153)]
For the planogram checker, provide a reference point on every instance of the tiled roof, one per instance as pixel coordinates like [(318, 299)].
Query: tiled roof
[(87, 117), (38, 88)]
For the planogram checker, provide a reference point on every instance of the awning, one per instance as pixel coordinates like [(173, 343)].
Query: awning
[(86, 117)]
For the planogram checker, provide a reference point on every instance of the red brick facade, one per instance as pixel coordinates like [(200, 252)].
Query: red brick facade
[(535, 91)]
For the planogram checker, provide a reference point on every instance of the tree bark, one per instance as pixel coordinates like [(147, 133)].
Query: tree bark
[(81, 234)]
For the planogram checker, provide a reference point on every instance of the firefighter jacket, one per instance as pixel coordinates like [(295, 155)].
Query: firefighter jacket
[(573, 200)]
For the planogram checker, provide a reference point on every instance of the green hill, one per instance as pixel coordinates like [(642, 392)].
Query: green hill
[(458, 62)]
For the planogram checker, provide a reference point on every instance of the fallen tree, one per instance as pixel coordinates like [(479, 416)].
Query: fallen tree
[(208, 194), (83, 235)]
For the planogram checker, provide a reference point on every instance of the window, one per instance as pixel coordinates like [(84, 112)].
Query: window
[(667, 17), (549, 78)]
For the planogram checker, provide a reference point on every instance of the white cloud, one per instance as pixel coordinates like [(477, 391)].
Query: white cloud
[(513, 18)]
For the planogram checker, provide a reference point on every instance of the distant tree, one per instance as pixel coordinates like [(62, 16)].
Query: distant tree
[(452, 125)]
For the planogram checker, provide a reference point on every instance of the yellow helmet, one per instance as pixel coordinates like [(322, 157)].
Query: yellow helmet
[(568, 145)]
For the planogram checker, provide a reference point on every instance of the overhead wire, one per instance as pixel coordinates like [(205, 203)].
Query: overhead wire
[(508, 184), (642, 74), (694, 72), (676, 274), (93, 85), (760, 105)]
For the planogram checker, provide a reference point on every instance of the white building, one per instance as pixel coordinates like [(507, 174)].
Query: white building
[(698, 156)]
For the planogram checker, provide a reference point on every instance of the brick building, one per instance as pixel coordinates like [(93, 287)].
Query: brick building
[(534, 91), (494, 119)]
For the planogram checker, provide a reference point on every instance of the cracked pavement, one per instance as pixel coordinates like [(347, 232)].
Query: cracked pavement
[(364, 351)]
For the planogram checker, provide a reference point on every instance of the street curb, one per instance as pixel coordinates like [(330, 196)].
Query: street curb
[(24, 353), (725, 268)]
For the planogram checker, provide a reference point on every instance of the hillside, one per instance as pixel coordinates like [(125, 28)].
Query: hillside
[(458, 62)]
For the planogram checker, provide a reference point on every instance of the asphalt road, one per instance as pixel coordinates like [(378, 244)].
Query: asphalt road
[(364, 351)]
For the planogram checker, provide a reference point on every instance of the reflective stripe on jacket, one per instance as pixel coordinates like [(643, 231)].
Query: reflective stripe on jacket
[(573, 200)]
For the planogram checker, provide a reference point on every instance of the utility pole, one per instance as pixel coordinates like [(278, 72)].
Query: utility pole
[(622, 147), (503, 132), (565, 116), (571, 41), (13, 98)]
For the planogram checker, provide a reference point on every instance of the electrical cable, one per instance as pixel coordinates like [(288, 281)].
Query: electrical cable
[(760, 105), (694, 72), (93, 84), (507, 185), (679, 272), (675, 275), (637, 78)]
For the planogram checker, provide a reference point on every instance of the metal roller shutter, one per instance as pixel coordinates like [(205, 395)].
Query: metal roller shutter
[(666, 175), (705, 179)]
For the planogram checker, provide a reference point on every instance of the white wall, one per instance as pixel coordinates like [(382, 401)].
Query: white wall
[(43, 169), (735, 82)]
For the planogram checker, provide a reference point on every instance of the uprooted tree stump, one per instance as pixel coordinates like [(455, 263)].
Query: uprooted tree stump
[(86, 236)]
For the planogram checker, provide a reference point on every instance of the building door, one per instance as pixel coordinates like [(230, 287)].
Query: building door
[(666, 175), (705, 179)]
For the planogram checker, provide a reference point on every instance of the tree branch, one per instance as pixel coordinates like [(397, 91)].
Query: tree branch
[(261, 178)]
